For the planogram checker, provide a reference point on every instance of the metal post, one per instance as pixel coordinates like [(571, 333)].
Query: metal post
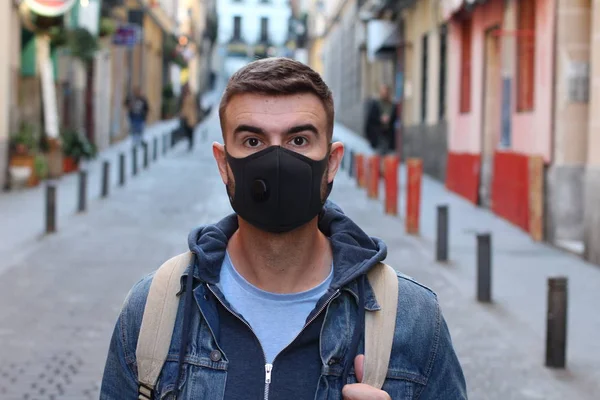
[(105, 178), (134, 162), (145, 146), (154, 149), (343, 164), (50, 208), (351, 166), (484, 268), (121, 169), (442, 234), (556, 328), (82, 203)]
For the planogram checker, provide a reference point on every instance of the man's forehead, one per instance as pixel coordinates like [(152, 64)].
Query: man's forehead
[(245, 107)]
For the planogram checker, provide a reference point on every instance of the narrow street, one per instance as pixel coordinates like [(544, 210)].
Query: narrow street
[(60, 296)]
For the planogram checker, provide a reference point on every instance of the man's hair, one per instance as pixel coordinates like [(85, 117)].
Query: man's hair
[(278, 77)]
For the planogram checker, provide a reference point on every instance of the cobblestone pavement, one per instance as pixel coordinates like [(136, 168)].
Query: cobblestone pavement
[(60, 295)]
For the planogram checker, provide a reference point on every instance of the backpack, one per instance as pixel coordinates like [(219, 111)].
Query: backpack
[(162, 303)]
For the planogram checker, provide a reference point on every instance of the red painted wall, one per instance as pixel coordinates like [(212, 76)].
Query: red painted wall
[(462, 175), (510, 187)]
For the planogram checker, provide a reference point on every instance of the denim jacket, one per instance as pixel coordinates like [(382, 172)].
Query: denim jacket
[(423, 363)]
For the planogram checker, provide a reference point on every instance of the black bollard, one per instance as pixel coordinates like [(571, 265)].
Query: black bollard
[(121, 169), (442, 234), (556, 328), (105, 178), (351, 166), (145, 146), (134, 162), (154, 148), (50, 208), (484, 268), (82, 196), (344, 159)]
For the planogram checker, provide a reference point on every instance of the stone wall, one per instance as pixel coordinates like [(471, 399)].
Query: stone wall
[(429, 142), (592, 215), (564, 202)]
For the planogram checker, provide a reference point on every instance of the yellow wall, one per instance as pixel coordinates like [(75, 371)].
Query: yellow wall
[(152, 67), (423, 18)]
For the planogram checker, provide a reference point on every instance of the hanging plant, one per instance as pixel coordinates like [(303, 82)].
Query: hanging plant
[(82, 44), (108, 27), (59, 36)]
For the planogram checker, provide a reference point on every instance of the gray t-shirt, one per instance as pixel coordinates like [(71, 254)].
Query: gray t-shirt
[(276, 319)]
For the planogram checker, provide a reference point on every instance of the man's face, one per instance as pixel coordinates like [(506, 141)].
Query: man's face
[(254, 122), (384, 92)]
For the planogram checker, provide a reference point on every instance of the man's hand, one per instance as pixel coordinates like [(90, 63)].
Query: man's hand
[(360, 391)]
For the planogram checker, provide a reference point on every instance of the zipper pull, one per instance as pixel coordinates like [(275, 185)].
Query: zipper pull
[(268, 369)]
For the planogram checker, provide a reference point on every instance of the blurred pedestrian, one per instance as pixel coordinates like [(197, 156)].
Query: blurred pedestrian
[(188, 114), (137, 106), (273, 300), (380, 121)]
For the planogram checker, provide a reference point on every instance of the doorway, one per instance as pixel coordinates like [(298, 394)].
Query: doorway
[(491, 118)]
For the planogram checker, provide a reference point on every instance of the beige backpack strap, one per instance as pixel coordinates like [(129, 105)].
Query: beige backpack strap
[(380, 325), (158, 323)]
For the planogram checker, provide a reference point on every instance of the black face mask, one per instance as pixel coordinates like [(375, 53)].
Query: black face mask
[(277, 190)]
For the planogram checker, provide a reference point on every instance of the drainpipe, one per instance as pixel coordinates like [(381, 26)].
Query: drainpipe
[(548, 231)]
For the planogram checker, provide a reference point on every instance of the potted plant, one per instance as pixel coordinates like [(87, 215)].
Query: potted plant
[(76, 147), (40, 168), (23, 146)]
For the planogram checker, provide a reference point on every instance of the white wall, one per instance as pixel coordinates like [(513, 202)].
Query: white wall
[(251, 11)]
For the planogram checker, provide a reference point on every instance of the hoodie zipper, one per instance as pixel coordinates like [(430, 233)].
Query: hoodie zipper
[(268, 366)]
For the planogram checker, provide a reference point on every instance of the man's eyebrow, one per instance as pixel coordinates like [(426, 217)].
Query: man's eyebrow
[(303, 128), (248, 128)]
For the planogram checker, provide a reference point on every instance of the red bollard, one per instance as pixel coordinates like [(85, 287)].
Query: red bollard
[(390, 170), (413, 198), (373, 181), (360, 170)]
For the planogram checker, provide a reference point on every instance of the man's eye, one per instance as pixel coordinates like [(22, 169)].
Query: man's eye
[(299, 141), (252, 142)]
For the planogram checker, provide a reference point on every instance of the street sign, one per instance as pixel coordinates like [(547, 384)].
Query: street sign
[(127, 35), (49, 8)]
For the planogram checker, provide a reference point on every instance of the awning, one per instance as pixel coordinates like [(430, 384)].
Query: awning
[(382, 38)]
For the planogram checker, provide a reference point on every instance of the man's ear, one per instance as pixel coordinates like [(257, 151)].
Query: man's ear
[(335, 159), (221, 159)]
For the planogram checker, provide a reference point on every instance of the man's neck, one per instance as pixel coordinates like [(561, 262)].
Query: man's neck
[(281, 263)]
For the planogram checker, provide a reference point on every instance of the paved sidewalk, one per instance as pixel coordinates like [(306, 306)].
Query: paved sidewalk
[(520, 271), (22, 212)]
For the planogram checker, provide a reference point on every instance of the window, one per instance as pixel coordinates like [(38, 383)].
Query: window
[(525, 55), (264, 29), (442, 77), (424, 71), (237, 27), (465, 67)]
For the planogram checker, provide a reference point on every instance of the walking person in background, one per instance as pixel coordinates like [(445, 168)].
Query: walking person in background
[(138, 108), (188, 113), (380, 121)]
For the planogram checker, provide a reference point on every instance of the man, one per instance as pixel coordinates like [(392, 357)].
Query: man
[(279, 288), (137, 105), (380, 121), (188, 114)]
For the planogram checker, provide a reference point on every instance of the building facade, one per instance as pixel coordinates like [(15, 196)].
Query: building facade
[(251, 29), (523, 139), (424, 49)]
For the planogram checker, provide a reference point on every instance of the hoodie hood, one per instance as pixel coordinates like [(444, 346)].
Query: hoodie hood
[(354, 252)]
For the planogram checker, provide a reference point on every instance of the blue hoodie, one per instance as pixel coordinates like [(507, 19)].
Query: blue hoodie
[(222, 359)]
